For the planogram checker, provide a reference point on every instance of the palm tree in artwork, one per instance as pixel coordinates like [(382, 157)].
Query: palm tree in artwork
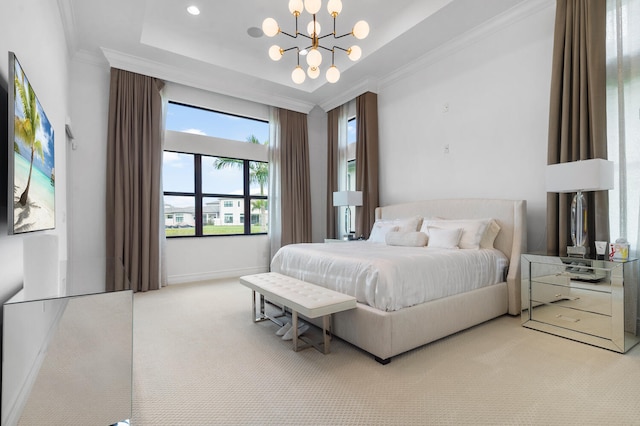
[(258, 174), (26, 127)]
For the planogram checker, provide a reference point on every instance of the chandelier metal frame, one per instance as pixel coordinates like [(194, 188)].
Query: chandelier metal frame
[(271, 28)]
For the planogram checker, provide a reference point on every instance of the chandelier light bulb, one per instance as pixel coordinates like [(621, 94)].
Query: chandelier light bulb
[(312, 6), (298, 75), (313, 72), (310, 28), (270, 27), (312, 51), (295, 7), (333, 74), (275, 52), (360, 30), (314, 58), (354, 53), (334, 7)]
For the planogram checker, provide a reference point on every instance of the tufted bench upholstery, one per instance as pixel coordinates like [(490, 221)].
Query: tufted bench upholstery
[(301, 297)]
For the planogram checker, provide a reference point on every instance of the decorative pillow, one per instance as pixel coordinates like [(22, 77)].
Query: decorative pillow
[(472, 230), (490, 234), (379, 230), (444, 238), (409, 224), (406, 239)]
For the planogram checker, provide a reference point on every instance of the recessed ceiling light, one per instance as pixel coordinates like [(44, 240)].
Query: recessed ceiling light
[(193, 10)]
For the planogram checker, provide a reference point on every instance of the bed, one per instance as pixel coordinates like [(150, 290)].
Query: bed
[(388, 322)]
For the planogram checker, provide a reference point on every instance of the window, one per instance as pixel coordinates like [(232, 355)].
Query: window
[(213, 194), (351, 154), (623, 125)]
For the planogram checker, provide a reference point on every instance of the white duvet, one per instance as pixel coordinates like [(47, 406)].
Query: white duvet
[(390, 278)]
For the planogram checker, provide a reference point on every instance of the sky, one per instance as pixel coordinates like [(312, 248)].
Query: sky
[(178, 169)]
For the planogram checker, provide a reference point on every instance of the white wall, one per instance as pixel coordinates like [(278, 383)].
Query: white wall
[(89, 94), (33, 31), (486, 98)]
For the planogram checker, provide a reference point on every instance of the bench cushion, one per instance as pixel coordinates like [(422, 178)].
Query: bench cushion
[(307, 299)]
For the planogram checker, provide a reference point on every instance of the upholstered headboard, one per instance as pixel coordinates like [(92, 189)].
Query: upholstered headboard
[(511, 215)]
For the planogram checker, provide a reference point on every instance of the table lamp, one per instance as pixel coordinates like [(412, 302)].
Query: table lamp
[(579, 177), (347, 199)]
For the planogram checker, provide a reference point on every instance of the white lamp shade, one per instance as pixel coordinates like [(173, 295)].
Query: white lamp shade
[(361, 30), (586, 175), (270, 27), (354, 53), (314, 58), (347, 198), (312, 6), (334, 7), (333, 74), (298, 75), (295, 7), (275, 52), (314, 27), (313, 73)]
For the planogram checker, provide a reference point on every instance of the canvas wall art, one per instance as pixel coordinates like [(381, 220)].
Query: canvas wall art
[(31, 157)]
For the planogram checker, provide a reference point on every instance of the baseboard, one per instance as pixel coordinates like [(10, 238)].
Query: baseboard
[(214, 275)]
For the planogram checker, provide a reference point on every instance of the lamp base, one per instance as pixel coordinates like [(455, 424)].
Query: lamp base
[(576, 251)]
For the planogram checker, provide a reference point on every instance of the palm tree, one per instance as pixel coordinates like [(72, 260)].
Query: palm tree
[(258, 173), (26, 128)]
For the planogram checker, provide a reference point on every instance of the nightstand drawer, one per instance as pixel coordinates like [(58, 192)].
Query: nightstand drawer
[(574, 319), (572, 297)]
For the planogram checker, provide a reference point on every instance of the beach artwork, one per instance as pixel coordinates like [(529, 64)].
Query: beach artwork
[(33, 160)]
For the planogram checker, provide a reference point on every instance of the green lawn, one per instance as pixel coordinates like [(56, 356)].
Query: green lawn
[(212, 230)]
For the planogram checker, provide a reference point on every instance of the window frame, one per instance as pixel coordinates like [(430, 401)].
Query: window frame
[(198, 196)]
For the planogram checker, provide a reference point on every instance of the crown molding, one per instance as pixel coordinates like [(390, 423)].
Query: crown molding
[(183, 76), (91, 58), (510, 17)]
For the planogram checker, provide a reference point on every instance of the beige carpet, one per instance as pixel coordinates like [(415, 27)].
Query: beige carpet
[(200, 360)]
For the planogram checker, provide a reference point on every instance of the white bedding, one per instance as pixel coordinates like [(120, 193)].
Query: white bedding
[(390, 278)]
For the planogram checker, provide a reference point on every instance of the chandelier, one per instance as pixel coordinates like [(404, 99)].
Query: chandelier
[(314, 57)]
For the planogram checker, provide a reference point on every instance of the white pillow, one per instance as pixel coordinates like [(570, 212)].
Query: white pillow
[(490, 234), (444, 238), (379, 230), (472, 230), (409, 224), (406, 239)]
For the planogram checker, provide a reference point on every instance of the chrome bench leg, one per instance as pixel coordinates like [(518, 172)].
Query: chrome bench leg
[(294, 327)]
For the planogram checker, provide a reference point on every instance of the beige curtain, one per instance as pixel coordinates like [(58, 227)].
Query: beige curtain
[(367, 161), (294, 178), (333, 119), (134, 165), (577, 115)]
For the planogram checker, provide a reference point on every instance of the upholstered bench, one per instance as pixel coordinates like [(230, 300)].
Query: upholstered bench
[(301, 297)]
